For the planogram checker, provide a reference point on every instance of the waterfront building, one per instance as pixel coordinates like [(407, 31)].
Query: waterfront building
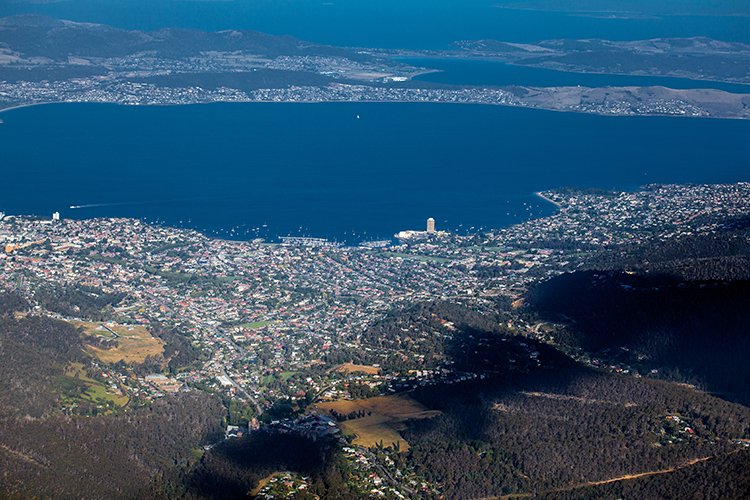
[(431, 226)]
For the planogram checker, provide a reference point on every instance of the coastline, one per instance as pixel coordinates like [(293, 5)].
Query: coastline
[(268, 240), (22, 105), (448, 56), (541, 195), (394, 101)]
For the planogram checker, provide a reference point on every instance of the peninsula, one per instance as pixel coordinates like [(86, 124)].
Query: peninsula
[(44, 60)]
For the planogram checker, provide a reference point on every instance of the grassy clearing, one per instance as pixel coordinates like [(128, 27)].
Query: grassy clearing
[(133, 345), (353, 368), (96, 392), (369, 431), (92, 329), (267, 380), (388, 415)]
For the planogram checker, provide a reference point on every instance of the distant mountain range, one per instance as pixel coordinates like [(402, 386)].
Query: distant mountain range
[(39, 36)]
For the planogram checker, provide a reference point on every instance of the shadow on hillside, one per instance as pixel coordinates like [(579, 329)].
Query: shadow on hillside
[(234, 467), (697, 331)]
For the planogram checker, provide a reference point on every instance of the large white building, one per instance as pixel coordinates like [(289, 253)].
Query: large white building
[(416, 235)]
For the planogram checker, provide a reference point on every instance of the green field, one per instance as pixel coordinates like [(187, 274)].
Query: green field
[(94, 392), (283, 376)]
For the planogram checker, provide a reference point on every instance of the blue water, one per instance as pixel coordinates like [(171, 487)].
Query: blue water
[(478, 72), (380, 23), (316, 169)]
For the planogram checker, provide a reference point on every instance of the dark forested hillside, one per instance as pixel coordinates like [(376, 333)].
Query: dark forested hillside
[(720, 255), (698, 330), (35, 352), (536, 421), (78, 301), (420, 336), (721, 477), (139, 454), (234, 467), (11, 302), (673, 308), (555, 429), (43, 453)]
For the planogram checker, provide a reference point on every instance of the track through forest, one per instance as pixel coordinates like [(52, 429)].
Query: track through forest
[(626, 477)]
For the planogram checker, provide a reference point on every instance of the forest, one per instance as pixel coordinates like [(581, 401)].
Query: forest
[(723, 254), (677, 308), (538, 422), (234, 467), (78, 301), (721, 477), (35, 352), (45, 453), (140, 454), (559, 426)]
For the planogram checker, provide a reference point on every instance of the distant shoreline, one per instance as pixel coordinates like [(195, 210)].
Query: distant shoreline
[(395, 101), (496, 59), (19, 106)]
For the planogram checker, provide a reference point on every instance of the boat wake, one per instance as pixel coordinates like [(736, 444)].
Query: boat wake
[(96, 205), (121, 204)]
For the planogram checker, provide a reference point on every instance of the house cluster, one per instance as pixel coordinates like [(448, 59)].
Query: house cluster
[(268, 315), (312, 426)]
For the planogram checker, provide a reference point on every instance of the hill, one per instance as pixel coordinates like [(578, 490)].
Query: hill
[(32, 35), (45, 451), (527, 419), (534, 421), (672, 308)]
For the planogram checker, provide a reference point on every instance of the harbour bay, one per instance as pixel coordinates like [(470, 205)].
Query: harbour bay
[(345, 171)]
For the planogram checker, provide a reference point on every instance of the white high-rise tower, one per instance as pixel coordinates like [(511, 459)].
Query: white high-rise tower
[(430, 226)]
